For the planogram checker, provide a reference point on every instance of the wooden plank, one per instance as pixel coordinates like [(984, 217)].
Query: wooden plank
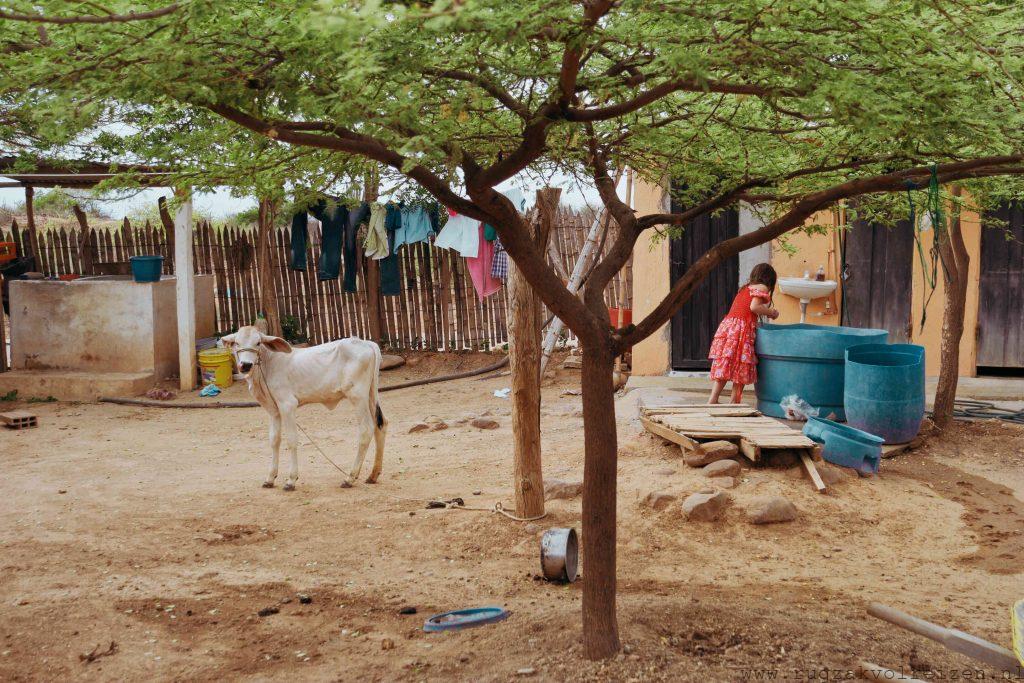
[(812, 472), (669, 435), (750, 450)]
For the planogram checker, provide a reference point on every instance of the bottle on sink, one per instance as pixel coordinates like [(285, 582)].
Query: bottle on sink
[(820, 276)]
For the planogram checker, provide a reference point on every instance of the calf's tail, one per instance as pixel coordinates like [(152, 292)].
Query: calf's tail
[(374, 381)]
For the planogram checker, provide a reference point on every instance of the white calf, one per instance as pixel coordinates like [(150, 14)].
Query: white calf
[(281, 379)]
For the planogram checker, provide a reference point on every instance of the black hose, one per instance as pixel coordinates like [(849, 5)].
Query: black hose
[(253, 404)]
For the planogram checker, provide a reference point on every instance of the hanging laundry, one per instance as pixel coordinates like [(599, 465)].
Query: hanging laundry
[(499, 268), (390, 277), (416, 226), (480, 267), (356, 217), (376, 245), (462, 234), (490, 233), (300, 230), (333, 220)]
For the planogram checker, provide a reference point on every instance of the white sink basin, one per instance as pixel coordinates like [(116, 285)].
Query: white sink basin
[(805, 290)]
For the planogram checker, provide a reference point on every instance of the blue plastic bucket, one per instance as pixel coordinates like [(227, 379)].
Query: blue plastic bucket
[(884, 390), (806, 360), (147, 268)]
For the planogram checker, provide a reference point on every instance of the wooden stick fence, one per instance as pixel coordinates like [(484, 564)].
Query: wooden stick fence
[(437, 307)]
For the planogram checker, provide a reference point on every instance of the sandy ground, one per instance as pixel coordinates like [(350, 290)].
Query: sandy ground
[(148, 529)]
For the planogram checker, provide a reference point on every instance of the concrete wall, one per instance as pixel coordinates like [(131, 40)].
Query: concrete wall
[(651, 281), (109, 324), (799, 252)]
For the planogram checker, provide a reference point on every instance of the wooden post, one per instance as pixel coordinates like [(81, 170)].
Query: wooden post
[(168, 223), (264, 266), (3, 337), (371, 189), (86, 253), (185, 290), (524, 360), (33, 236)]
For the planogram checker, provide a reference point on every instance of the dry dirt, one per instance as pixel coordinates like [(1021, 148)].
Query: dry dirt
[(148, 529)]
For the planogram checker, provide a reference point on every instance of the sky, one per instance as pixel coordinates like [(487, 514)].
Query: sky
[(221, 204)]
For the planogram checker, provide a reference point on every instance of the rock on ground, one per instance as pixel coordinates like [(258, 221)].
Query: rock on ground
[(485, 423), (419, 427), (770, 509), (832, 475), (658, 500), (726, 482), (713, 451), (705, 507), (722, 468), (556, 489)]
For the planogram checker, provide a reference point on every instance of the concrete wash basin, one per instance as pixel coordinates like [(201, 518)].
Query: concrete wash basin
[(806, 290)]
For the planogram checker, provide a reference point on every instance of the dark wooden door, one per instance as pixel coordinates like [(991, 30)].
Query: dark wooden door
[(1000, 314), (695, 323), (879, 287)]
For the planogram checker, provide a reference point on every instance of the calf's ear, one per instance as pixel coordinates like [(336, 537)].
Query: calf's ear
[(228, 340), (276, 344)]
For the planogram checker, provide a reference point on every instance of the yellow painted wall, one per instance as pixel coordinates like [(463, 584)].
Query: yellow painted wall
[(931, 336), (651, 282)]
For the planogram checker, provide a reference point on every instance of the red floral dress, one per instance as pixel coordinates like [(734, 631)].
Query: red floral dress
[(732, 350)]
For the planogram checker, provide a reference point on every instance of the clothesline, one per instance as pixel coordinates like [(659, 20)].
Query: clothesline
[(382, 229)]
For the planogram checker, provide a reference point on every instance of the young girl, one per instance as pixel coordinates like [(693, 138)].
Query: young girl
[(732, 349)]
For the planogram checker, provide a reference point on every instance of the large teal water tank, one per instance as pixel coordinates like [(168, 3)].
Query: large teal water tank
[(884, 390), (806, 360)]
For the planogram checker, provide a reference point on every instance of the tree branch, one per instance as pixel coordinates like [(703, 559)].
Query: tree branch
[(102, 19)]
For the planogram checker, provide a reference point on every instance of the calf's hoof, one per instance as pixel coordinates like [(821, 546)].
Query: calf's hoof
[(346, 484), (371, 480), (268, 484), (289, 486)]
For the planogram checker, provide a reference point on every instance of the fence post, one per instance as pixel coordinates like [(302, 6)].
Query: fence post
[(524, 359), (169, 231), (85, 252), (33, 236), (264, 269), (185, 289)]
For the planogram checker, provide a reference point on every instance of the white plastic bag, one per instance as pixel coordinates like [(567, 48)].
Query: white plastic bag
[(797, 409)]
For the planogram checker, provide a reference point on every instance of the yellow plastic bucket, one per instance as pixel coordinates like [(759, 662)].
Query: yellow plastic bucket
[(217, 367)]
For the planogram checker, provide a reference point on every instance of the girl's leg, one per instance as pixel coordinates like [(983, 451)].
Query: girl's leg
[(737, 392), (716, 390)]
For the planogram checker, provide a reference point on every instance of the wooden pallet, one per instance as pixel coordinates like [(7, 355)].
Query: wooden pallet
[(756, 435), (19, 419)]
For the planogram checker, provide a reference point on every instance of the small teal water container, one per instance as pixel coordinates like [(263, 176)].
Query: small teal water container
[(146, 268), (845, 446), (806, 360), (884, 390)]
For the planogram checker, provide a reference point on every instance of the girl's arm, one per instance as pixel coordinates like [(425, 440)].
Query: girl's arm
[(758, 305)]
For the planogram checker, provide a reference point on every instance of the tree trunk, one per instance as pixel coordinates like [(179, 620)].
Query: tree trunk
[(168, 223), (524, 361), (956, 263), (265, 269), (600, 628)]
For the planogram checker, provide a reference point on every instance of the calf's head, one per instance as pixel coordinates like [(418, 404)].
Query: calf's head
[(245, 345)]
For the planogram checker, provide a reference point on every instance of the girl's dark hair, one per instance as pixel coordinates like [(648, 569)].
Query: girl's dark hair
[(764, 274)]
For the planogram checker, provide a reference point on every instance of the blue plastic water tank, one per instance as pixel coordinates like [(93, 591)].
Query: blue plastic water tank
[(806, 360), (884, 390)]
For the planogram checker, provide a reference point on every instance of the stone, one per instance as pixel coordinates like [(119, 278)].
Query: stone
[(438, 426), (387, 644), (832, 475), (726, 482), (705, 507), (556, 489), (722, 468), (526, 671), (419, 427), (713, 451), (304, 598), (770, 509), (657, 500), (267, 611), (665, 472), (485, 423)]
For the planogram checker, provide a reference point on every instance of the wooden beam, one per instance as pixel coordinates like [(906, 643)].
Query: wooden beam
[(185, 290), (524, 327), (812, 472), (671, 435)]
